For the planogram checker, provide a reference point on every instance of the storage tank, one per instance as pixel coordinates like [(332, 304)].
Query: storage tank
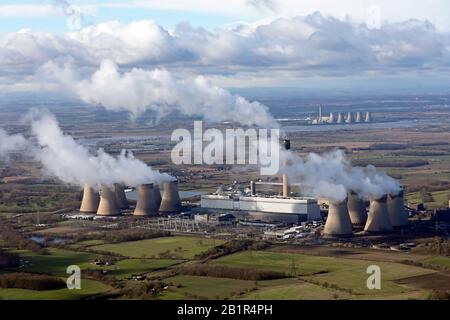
[(146, 204), (396, 209), (171, 202), (356, 209), (108, 203), (338, 222), (121, 198), (378, 220), (90, 201)]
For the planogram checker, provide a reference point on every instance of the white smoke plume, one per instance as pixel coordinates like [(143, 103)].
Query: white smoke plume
[(62, 157), (139, 90), (331, 176), (11, 143)]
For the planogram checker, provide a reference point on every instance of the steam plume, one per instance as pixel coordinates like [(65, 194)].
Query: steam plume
[(62, 157), (11, 143), (331, 176), (139, 90)]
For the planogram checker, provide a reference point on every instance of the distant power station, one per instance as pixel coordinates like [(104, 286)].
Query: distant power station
[(339, 118), (111, 200)]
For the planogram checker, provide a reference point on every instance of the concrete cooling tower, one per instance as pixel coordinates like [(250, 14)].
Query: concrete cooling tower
[(356, 209), (170, 202), (350, 118), (332, 119), (396, 209), (378, 219), (358, 118), (338, 222), (90, 201), (157, 192), (108, 203), (340, 118), (147, 203), (368, 117), (121, 198)]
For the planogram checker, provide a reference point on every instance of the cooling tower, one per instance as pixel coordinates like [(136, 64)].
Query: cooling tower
[(332, 119), (147, 204), (157, 194), (350, 118), (396, 209), (368, 117), (338, 221), (340, 118), (378, 218), (358, 118), (121, 198), (356, 209), (90, 201), (171, 199), (108, 202)]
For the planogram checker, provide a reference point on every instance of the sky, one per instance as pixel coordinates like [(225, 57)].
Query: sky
[(235, 43)]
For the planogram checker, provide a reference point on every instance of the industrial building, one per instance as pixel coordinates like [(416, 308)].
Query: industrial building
[(351, 118)]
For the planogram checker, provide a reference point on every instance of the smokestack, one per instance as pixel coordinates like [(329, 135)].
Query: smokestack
[(340, 118), (338, 221), (378, 218), (350, 118), (358, 117), (286, 187), (171, 199), (357, 209), (90, 201), (368, 117), (157, 194), (396, 208), (253, 188), (147, 204), (332, 119), (108, 202), (121, 198)]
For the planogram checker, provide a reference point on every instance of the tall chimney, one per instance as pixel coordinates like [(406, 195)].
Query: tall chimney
[(147, 203), (338, 222), (170, 202), (286, 186), (356, 209), (121, 198), (396, 209), (378, 218), (253, 188), (90, 201), (358, 117), (108, 202), (340, 118)]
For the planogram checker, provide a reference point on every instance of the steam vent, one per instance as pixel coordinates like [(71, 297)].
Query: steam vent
[(338, 221), (378, 219), (121, 198), (90, 201), (170, 202), (108, 203), (147, 203), (356, 209), (396, 208)]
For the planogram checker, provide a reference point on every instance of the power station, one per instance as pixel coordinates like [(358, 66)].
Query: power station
[(339, 118)]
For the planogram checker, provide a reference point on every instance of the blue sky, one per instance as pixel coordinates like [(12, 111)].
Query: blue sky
[(235, 43)]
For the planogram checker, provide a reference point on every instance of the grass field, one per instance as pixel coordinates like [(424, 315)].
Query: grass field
[(346, 274), (440, 199), (179, 247), (88, 288), (438, 262)]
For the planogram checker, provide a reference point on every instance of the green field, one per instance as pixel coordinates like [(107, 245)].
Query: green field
[(88, 288), (440, 199), (345, 274), (179, 247), (438, 262)]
